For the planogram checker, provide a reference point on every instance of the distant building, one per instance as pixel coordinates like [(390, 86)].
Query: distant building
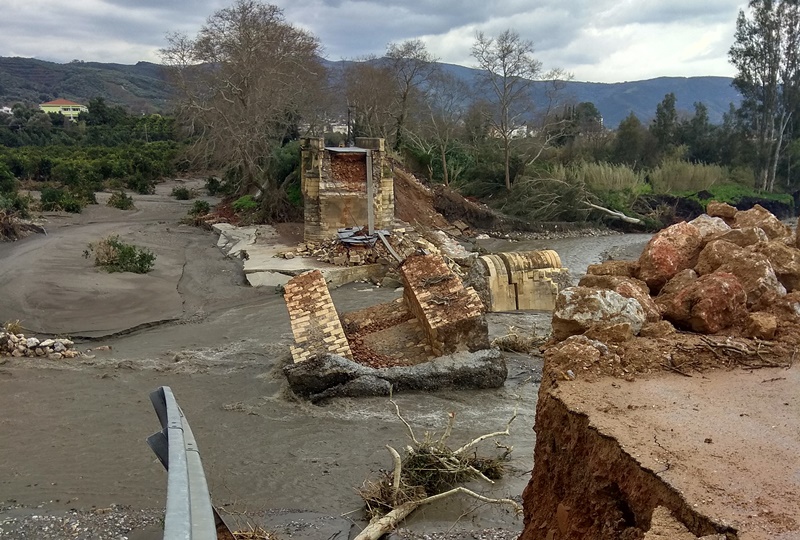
[(6, 110), (70, 109)]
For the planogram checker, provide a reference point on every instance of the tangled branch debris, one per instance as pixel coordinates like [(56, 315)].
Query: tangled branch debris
[(430, 471)]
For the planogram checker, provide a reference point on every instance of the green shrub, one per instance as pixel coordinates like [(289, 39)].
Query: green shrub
[(213, 185), (183, 193), (141, 184), (121, 200), (245, 204), (115, 256), (200, 208), (56, 199), (8, 183), (14, 203)]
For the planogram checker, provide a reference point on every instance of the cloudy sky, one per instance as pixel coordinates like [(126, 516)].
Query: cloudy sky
[(595, 40)]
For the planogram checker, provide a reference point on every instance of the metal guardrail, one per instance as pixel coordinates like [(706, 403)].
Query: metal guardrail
[(189, 513)]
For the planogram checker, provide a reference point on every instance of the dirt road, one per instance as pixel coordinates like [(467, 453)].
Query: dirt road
[(72, 432)]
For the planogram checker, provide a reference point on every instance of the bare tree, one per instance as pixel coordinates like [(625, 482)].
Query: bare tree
[(243, 84), (411, 66), (509, 70), (369, 90), (766, 54), (447, 103)]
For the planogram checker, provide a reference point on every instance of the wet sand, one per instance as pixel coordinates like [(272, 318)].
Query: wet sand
[(72, 432)]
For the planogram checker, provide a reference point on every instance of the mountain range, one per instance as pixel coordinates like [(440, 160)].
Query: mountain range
[(142, 88)]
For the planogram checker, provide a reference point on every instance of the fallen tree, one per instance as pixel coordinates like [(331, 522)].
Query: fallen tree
[(429, 472)]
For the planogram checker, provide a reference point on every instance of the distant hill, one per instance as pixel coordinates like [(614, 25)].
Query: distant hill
[(140, 88), (143, 88), (615, 101)]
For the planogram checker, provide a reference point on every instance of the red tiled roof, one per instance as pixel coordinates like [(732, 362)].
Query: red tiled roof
[(61, 102)]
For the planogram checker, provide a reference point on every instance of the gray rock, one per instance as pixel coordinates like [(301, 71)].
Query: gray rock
[(580, 308), (333, 376), (32, 342), (59, 347)]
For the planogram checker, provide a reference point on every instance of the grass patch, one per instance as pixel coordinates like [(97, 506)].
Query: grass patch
[(113, 255), (244, 204), (734, 193)]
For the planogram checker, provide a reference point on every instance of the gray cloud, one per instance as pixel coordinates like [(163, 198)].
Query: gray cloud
[(599, 40)]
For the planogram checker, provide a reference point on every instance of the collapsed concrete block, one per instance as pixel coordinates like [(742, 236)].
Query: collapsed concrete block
[(451, 314), (668, 252), (315, 323)]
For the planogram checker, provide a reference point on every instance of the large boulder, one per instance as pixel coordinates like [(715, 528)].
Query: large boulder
[(709, 226), (581, 308), (669, 251), (785, 262), (614, 268), (627, 287), (760, 325), (680, 281), (746, 236), (760, 217), (721, 210), (709, 304), (715, 254), (756, 275)]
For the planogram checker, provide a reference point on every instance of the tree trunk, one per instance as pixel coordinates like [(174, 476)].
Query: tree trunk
[(507, 162), (445, 175)]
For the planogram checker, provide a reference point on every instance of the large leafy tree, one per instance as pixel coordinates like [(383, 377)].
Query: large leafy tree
[(766, 54), (244, 83)]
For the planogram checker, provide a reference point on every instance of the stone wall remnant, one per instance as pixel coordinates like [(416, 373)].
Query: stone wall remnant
[(315, 323), (451, 314), (344, 187), (526, 280)]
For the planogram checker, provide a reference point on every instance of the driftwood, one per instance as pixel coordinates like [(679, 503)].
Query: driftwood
[(428, 474), (614, 213)]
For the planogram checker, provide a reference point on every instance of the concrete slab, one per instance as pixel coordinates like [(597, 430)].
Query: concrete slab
[(267, 279), (263, 259)]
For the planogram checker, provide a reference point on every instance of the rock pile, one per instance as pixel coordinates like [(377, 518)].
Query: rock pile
[(731, 272), (17, 345)]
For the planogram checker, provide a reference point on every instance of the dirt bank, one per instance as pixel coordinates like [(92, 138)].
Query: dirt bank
[(73, 431)]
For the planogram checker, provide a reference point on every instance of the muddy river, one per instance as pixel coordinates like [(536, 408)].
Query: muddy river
[(72, 433)]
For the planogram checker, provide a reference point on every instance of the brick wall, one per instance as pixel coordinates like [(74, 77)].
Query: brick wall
[(451, 315), (315, 323)]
